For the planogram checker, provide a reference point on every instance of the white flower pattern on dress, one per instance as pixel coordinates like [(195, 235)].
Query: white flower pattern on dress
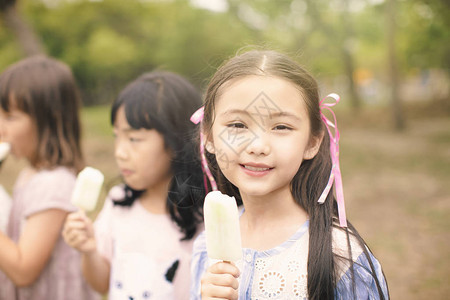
[(294, 266), (300, 287), (260, 264), (272, 284)]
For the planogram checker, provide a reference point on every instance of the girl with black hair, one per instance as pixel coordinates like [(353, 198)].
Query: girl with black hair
[(140, 245)]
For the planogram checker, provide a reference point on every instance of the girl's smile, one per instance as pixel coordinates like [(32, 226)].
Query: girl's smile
[(256, 170)]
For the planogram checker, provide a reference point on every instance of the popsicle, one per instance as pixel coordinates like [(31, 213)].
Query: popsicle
[(4, 150), (87, 188), (223, 235)]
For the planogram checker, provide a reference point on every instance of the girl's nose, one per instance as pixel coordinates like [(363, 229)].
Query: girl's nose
[(120, 151), (260, 145)]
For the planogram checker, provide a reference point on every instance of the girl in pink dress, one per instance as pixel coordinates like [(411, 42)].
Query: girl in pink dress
[(39, 104)]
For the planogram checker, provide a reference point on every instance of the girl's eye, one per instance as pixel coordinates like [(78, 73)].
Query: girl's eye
[(282, 127), (236, 125), (134, 140)]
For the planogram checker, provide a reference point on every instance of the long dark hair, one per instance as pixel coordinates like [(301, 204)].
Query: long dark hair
[(45, 89), (312, 176), (164, 101)]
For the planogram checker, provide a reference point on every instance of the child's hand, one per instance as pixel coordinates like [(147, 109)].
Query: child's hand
[(220, 281), (78, 232)]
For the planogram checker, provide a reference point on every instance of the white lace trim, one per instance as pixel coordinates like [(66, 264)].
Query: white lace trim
[(284, 276)]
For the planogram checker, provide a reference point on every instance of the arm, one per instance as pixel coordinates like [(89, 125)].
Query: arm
[(79, 234), (220, 281), (23, 262)]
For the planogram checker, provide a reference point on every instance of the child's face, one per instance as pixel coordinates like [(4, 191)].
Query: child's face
[(18, 129), (261, 134), (141, 156)]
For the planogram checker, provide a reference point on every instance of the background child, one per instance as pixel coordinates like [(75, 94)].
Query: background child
[(269, 148), (39, 118), (143, 237)]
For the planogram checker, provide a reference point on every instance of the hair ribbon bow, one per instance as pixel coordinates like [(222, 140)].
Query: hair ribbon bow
[(196, 118), (335, 175)]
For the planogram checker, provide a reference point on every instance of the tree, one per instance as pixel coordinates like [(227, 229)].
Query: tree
[(393, 65), (26, 37)]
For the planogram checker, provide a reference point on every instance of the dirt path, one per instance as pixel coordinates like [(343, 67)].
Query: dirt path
[(398, 196)]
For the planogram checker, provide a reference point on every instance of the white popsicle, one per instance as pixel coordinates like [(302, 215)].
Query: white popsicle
[(4, 150), (223, 234), (87, 188)]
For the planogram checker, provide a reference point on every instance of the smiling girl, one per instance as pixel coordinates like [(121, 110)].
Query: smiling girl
[(269, 144)]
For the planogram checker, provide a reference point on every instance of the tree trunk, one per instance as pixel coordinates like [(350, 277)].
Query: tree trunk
[(347, 56), (27, 39), (340, 40), (397, 110)]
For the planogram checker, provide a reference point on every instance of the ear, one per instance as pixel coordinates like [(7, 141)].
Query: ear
[(313, 147), (210, 148), (209, 144)]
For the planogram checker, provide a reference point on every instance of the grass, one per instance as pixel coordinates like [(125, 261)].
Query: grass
[(396, 188)]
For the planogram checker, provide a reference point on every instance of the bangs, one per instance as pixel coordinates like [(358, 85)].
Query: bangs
[(138, 115), (141, 109), (11, 95)]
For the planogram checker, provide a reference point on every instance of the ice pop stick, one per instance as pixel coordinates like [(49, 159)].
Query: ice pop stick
[(87, 189), (4, 150), (223, 235)]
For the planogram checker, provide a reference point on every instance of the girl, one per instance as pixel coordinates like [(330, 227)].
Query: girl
[(39, 104), (267, 145), (142, 243)]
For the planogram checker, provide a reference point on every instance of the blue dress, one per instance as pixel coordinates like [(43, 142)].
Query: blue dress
[(281, 272)]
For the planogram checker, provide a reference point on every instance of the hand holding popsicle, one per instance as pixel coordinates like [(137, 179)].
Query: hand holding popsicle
[(220, 282), (78, 230), (223, 242)]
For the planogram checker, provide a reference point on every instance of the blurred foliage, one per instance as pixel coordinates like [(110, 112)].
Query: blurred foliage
[(108, 43)]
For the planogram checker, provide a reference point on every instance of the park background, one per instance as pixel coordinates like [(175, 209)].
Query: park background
[(388, 59)]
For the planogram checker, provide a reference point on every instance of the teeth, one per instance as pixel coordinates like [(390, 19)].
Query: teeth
[(256, 169)]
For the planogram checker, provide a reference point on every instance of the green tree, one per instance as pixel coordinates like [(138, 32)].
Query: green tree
[(29, 42)]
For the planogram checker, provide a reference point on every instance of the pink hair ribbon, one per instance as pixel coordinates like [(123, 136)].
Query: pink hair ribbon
[(196, 118), (335, 174)]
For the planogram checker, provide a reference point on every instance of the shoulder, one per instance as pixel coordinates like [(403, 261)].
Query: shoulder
[(343, 242), (363, 281), (116, 193), (356, 264), (48, 189), (347, 248), (56, 174), (59, 180)]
